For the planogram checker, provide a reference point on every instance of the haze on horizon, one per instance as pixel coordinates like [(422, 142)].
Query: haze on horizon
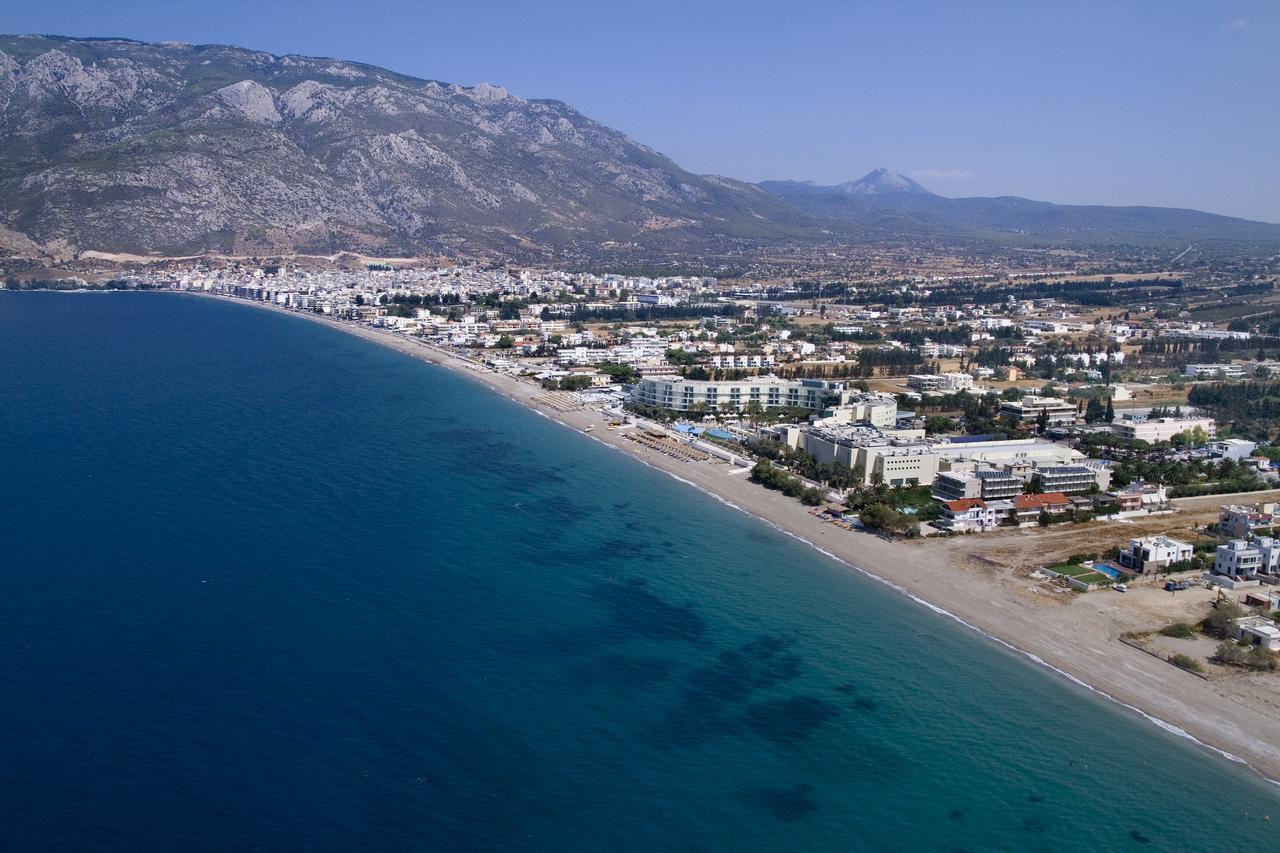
[(1139, 103)]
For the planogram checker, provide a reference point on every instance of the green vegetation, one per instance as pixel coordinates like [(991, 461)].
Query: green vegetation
[(1221, 620), (1252, 408), (1255, 658), (879, 516), (1186, 662), (1180, 631), (619, 373), (1081, 573), (914, 502), (779, 480), (568, 383)]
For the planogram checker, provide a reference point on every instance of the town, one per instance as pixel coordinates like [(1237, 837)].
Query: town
[(910, 409)]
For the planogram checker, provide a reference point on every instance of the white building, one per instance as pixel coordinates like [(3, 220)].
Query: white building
[(945, 383), (1149, 553), (755, 360), (1160, 429), (1213, 371), (1232, 448), (1241, 558), (680, 394), (1258, 631), (1031, 407)]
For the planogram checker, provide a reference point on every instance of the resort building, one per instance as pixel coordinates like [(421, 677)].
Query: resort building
[(1160, 429), (680, 394), (942, 383), (1031, 407), (989, 484), (1213, 371), (849, 407), (1149, 553), (1073, 479)]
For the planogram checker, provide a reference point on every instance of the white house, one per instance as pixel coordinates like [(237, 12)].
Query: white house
[(1149, 553)]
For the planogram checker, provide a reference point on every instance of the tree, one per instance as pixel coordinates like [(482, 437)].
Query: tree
[(505, 342), (1111, 411), (881, 516), (1221, 620)]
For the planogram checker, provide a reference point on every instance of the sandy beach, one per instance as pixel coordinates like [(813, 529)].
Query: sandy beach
[(1078, 636)]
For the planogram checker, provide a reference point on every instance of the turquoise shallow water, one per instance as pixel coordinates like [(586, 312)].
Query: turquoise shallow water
[(270, 586)]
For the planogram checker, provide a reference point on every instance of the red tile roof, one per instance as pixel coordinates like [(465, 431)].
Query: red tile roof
[(1052, 499), (965, 504)]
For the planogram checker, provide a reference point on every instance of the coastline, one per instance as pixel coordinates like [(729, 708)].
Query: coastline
[(1078, 640)]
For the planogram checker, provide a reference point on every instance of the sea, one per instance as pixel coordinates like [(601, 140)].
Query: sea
[(269, 586)]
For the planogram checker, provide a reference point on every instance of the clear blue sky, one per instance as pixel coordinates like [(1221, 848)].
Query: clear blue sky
[(1172, 103)]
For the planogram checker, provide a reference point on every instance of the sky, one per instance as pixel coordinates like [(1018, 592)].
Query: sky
[(1165, 103)]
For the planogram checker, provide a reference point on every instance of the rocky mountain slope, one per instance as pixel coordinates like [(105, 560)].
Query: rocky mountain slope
[(123, 146), (171, 148)]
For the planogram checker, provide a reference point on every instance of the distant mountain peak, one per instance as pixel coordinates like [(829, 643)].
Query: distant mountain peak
[(881, 181)]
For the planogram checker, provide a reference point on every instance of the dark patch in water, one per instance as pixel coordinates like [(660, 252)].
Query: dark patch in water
[(1137, 836), (563, 509), (636, 612), (845, 688), (789, 721), (787, 804), (625, 549), (1035, 824), (762, 662), (1035, 798), (627, 671), (711, 692), (956, 814), (865, 703)]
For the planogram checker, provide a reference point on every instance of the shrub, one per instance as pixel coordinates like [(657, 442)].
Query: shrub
[(1230, 653), (1220, 621), (1179, 630), (1186, 662), (1261, 660)]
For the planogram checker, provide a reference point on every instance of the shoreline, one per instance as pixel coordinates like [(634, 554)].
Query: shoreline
[(1079, 640)]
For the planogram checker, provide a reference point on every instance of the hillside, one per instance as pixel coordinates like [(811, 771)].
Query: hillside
[(174, 149), (127, 146)]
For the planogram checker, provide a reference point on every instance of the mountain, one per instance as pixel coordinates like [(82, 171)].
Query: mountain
[(174, 149), (128, 146), (889, 204), (879, 181), (882, 182)]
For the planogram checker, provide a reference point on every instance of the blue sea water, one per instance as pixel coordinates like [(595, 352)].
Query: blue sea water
[(269, 586)]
